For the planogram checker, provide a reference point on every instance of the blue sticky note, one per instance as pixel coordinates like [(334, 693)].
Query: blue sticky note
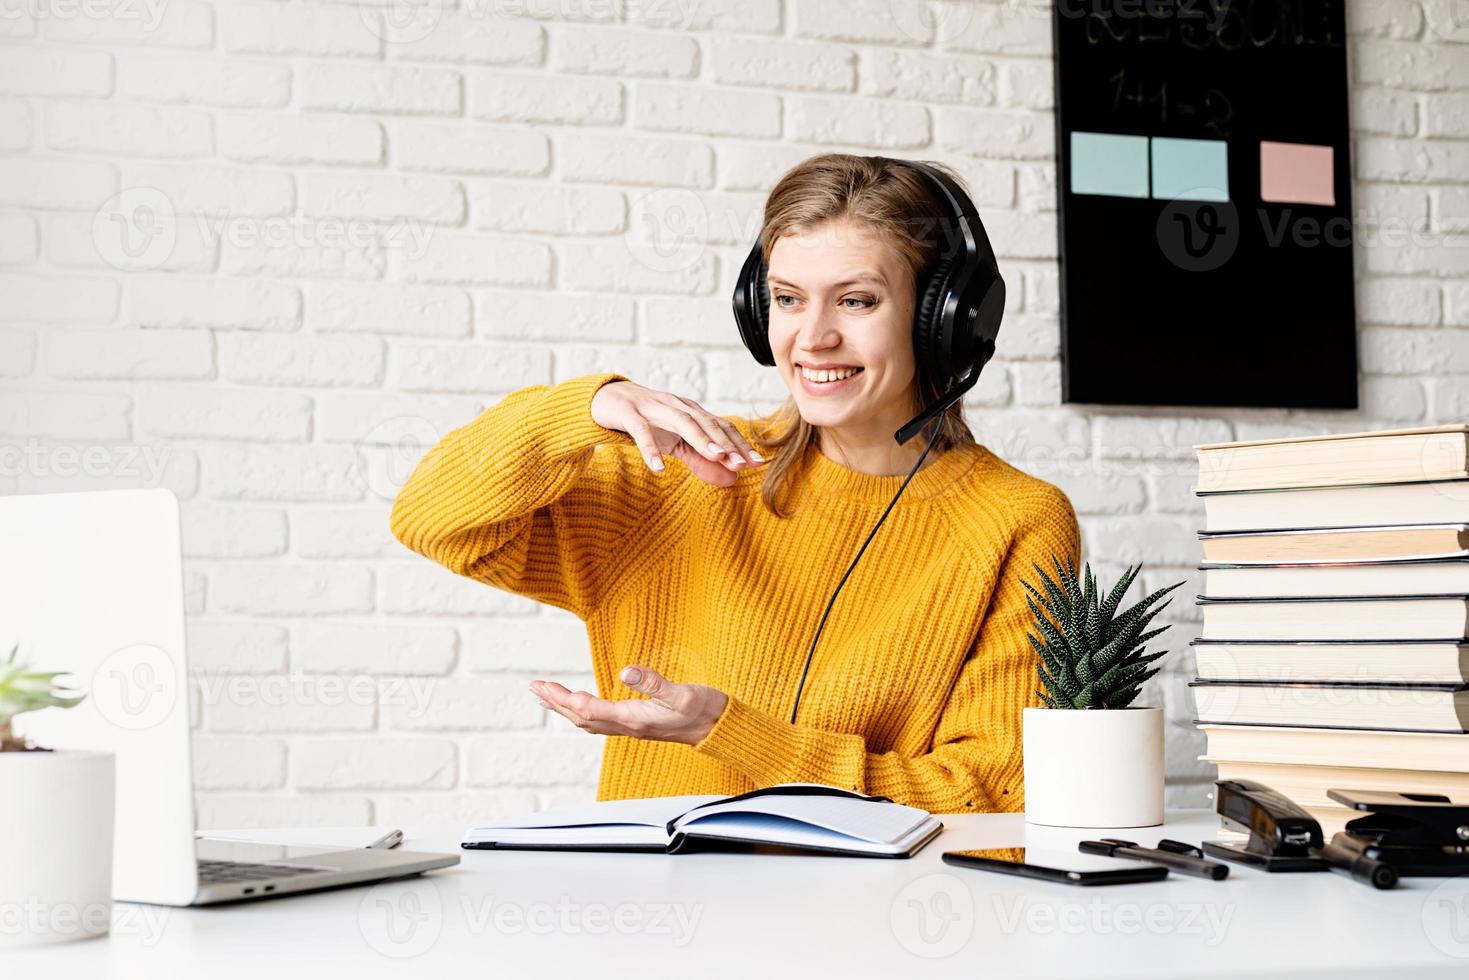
[(1109, 163), (1190, 170)]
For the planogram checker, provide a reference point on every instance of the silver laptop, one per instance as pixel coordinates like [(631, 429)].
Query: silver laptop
[(93, 584)]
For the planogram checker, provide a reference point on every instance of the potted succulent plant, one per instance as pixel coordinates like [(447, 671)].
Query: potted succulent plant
[(1092, 757), (55, 821)]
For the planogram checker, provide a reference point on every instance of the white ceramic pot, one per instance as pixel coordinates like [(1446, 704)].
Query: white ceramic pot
[(55, 846), (1093, 768)]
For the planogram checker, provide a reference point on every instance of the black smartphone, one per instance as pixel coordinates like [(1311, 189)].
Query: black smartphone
[(1093, 871)]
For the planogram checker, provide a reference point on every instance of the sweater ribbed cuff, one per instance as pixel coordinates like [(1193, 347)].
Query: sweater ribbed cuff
[(752, 741), (560, 422)]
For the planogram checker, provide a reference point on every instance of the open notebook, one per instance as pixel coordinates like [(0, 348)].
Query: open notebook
[(803, 816)]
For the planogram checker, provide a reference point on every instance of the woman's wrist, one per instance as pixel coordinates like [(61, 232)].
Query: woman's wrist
[(712, 711)]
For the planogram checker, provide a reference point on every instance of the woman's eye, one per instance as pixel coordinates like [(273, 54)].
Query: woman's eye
[(780, 300), (863, 302)]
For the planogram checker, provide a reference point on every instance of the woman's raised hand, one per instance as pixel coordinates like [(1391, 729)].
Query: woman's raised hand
[(670, 712), (665, 424)]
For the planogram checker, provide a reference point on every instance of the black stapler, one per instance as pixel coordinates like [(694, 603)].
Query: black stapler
[(1284, 837), (1418, 834)]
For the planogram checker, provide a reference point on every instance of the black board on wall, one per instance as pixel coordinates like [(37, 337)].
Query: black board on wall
[(1175, 290)]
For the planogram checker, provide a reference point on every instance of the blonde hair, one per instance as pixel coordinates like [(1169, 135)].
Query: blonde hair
[(895, 201)]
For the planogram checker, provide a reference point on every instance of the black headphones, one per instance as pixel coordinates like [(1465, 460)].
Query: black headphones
[(960, 300)]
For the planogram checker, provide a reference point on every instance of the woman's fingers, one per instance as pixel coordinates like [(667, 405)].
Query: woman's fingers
[(746, 450), (718, 438), (708, 443), (721, 432), (653, 418), (716, 474), (642, 434), (578, 708), (680, 421), (670, 712), (590, 713)]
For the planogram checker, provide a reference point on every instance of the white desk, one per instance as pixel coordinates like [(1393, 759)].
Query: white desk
[(520, 914)]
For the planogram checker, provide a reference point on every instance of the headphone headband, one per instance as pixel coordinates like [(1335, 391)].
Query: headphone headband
[(960, 300), (958, 201)]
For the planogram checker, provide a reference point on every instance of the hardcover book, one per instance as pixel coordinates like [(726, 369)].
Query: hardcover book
[(788, 816)]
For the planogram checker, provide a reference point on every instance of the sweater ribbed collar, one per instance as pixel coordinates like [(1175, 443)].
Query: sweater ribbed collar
[(941, 474)]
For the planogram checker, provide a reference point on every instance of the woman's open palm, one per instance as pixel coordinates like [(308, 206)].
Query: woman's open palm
[(670, 713), (664, 424)]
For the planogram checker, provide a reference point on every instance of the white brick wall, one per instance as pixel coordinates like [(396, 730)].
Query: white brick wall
[(266, 253)]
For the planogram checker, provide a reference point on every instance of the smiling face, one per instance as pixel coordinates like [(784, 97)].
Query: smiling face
[(842, 295)]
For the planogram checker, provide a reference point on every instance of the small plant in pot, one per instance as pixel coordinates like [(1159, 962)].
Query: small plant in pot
[(1092, 757), (56, 824), (22, 690)]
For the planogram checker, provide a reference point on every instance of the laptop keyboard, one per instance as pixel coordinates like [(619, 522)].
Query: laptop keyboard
[(214, 872)]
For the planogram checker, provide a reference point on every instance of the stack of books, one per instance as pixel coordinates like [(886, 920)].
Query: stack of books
[(1335, 645)]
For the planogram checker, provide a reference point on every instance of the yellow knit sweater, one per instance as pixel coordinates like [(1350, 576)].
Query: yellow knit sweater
[(917, 683)]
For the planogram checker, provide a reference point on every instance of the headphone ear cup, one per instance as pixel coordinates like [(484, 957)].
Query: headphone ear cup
[(761, 311), (927, 337), (760, 319), (751, 306)]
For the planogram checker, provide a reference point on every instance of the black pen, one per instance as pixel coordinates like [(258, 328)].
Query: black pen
[(1177, 855)]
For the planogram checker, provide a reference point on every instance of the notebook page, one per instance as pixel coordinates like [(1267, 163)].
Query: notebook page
[(600, 835), (767, 829), (653, 811), (882, 823)]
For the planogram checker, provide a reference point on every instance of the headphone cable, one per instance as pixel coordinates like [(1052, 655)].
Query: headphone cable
[(822, 625)]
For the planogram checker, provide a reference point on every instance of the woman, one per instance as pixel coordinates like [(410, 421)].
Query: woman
[(702, 583)]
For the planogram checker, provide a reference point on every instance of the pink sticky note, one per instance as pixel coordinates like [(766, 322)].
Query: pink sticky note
[(1296, 173)]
